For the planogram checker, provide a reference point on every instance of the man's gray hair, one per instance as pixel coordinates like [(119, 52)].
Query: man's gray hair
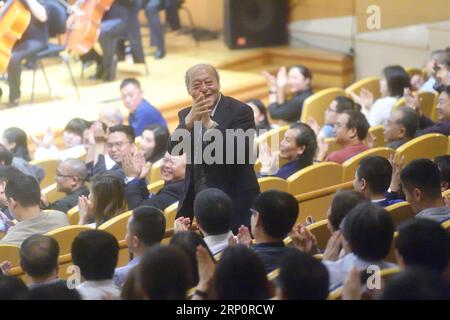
[(187, 76)]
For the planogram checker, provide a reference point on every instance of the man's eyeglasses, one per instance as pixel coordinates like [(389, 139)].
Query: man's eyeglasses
[(59, 175), (118, 145)]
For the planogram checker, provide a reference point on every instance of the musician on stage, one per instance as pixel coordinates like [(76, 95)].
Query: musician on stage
[(120, 21), (152, 8), (33, 40)]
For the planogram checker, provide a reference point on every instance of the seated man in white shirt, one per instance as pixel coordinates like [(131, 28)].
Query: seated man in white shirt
[(367, 232), (146, 227), (96, 253), (24, 196), (213, 210)]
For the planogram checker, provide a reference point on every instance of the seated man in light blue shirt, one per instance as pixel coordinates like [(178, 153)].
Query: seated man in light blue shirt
[(367, 234), (142, 113), (146, 227)]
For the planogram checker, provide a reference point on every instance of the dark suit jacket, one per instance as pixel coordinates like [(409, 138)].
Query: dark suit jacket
[(69, 201), (100, 167), (137, 194), (237, 180)]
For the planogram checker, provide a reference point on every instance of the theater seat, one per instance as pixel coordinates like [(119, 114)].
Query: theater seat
[(370, 83), (427, 146), (351, 164), (65, 236)]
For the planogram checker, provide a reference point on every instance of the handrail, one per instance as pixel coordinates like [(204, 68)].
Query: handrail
[(323, 192)]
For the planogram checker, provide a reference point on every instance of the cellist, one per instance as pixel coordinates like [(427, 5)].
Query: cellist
[(33, 40), (120, 21)]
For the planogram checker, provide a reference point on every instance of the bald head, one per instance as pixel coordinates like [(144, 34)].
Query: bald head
[(207, 67), (70, 175), (76, 167), (111, 116)]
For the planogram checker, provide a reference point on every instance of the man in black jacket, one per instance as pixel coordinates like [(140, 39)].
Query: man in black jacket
[(70, 177), (218, 115), (172, 172)]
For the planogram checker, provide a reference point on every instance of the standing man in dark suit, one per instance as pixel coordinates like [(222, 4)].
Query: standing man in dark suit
[(210, 109)]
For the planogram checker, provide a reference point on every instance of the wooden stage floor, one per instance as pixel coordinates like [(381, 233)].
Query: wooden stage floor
[(164, 87)]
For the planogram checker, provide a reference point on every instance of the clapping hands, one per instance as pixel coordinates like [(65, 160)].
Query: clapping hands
[(85, 208)]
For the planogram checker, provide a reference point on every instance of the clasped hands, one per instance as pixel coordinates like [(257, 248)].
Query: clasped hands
[(200, 111)]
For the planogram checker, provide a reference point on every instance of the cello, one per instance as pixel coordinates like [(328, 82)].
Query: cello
[(83, 26), (14, 20)]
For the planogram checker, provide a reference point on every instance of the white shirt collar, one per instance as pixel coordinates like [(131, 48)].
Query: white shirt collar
[(215, 107), (217, 243)]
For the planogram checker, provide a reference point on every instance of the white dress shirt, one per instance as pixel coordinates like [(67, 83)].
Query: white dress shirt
[(339, 269), (218, 242), (98, 290), (381, 110)]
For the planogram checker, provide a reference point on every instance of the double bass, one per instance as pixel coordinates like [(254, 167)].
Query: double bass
[(14, 20), (83, 26)]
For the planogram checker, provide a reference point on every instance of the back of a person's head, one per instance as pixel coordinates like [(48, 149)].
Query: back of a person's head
[(240, 275), (109, 197), (344, 103), (343, 201), (397, 79), (24, 190), (165, 273), (12, 288), (423, 243), (415, 284), (95, 252), (443, 163), (377, 172), (278, 212), (125, 129), (358, 121), (19, 139), (213, 210), (409, 120), (302, 277), (305, 137), (148, 224), (369, 230), (39, 255), (188, 241), (9, 173), (424, 175), (5, 156), (54, 291)]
